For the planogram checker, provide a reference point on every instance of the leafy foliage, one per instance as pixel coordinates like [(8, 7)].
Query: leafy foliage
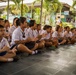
[(37, 13), (16, 8), (74, 3), (67, 24), (50, 7)]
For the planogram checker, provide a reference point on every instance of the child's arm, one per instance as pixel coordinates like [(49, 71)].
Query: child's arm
[(39, 37), (5, 48)]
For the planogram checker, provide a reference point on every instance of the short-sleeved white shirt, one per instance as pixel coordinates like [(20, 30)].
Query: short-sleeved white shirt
[(43, 32), (61, 34), (3, 43), (73, 34), (11, 29), (55, 34), (68, 34), (17, 35), (31, 33), (47, 34), (36, 33), (26, 33)]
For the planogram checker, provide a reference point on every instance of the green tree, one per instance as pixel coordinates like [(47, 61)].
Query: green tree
[(74, 3), (16, 8), (73, 9), (36, 15), (50, 7)]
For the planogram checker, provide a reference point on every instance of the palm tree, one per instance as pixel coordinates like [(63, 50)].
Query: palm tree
[(73, 9), (36, 15), (74, 3), (38, 1), (55, 7), (49, 7), (16, 8)]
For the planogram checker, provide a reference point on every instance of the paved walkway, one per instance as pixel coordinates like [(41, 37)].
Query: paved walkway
[(59, 62)]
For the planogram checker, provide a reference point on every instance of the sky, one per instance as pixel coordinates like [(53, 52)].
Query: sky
[(30, 1), (66, 1), (70, 2)]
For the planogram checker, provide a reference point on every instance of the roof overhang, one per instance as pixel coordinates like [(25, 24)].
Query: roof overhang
[(5, 0)]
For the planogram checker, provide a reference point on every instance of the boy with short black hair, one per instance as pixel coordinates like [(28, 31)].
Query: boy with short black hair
[(34, 33), (20, 40), (2, 21), (6, 55)]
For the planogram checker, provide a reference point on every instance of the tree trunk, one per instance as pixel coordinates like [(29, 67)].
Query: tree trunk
[(41, 11), (45, 19), (8, 11), (22, 8)]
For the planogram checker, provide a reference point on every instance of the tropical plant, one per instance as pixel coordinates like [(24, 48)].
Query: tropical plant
[(54, 5), (50, 7), (73, 9), (74, 3), (0, 13), (16, 8), (36, 15)]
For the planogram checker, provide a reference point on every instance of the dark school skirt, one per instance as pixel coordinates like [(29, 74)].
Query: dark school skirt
[(29, 45), (3, 53)]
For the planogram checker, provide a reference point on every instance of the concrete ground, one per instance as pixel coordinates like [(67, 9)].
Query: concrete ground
[(62, 61)]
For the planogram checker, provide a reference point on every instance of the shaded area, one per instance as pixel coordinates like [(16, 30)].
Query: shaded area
[(62, 61)]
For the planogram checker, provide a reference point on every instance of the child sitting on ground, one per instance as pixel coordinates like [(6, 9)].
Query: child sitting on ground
[(6, 55)]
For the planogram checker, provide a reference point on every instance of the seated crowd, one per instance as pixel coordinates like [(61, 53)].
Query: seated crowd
[(30, 37)]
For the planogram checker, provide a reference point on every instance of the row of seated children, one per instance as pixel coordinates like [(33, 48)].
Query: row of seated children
[(28, 38)]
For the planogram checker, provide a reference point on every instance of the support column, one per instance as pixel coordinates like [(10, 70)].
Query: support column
[(22, 8), (41, 11), (8, 11)]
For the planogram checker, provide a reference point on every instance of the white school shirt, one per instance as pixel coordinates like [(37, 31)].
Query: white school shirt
[(55, 34), (36, 33), (17, 35), (73, 34), (47, 34), (3, 43), (61, 34), (11, 29), (43, 32), (26, 32), (68, 34), (30, 33)]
